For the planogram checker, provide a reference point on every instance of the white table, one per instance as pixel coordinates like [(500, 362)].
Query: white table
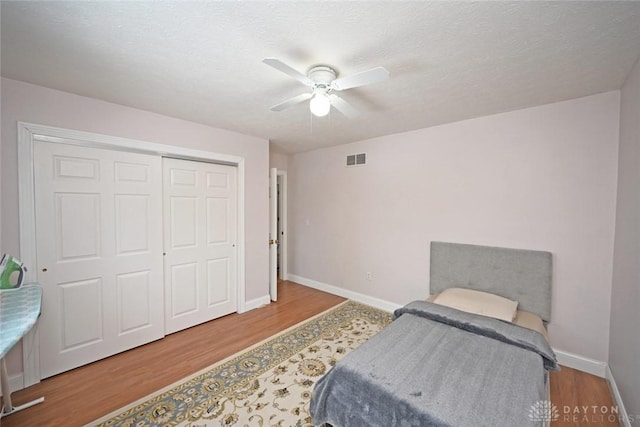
[(19, 311)]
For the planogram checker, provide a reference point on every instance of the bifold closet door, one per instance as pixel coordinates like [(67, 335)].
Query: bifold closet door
[(99, 252), (200, 209)]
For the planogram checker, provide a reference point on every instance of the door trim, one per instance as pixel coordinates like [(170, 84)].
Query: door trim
[(30, 132), (273, 234)]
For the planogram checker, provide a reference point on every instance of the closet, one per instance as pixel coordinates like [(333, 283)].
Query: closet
[(129, 247)]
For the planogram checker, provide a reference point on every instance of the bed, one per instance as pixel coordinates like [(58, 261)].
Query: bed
[(435, 365)]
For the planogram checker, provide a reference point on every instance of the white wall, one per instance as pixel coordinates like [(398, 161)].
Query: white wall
[(278, 160), (36, 104), (539, 178), (624, 347)]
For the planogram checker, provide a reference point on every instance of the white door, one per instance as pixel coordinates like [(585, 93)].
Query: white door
[(273, 234), (200, 205), (99, 253)]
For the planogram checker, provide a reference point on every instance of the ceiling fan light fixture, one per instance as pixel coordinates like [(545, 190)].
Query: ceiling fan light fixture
[(323, 81), (320, 105)]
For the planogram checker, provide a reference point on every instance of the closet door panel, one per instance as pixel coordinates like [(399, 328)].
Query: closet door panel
[(99, 252), (200, 202)]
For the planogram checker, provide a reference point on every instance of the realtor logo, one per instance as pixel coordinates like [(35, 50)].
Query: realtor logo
[(543, 410)]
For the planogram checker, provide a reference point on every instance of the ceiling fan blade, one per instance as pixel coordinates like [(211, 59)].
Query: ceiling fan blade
[(281, 66), (343, 106), (373, 75), (292, 101)]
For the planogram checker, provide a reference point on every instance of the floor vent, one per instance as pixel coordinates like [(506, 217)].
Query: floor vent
[(357, 159)]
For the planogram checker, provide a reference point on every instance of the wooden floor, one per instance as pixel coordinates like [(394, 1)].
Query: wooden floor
[(582, 399), (80, 396)]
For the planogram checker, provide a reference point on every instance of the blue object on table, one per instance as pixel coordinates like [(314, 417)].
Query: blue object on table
[(19, 311)]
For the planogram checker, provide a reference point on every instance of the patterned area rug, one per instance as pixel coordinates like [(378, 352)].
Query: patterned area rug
[(268, 384)]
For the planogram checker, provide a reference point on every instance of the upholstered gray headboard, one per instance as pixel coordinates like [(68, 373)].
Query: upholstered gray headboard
[(517, 274)]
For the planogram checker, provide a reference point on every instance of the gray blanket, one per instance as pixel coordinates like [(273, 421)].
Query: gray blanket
[(436, 366)]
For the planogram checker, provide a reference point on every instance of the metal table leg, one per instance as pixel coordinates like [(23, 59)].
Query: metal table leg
[(7, 407)]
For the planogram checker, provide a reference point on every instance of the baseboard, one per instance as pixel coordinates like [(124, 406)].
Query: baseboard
[(345, 293), (622, 412), (581, 363), (256, 303)]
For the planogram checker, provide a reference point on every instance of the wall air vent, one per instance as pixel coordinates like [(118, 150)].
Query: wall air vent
[(356, 159)]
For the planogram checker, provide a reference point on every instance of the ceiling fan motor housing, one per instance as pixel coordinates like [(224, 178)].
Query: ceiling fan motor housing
[(322, 76)]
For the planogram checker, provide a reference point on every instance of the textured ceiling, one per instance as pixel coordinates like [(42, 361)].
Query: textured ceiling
[(201, 61)]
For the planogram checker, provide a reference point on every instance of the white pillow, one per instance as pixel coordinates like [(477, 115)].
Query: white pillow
[(478, 302)]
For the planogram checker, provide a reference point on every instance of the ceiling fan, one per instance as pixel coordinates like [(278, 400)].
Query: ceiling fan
[(323, 81)]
